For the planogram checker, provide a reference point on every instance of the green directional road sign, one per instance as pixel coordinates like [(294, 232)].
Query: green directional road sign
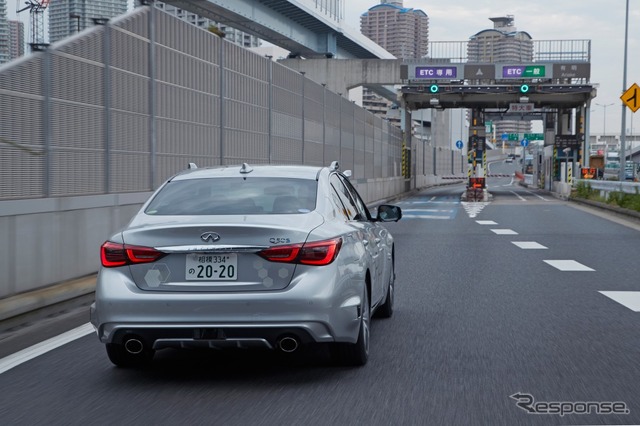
[(534, 136), (514, 136)]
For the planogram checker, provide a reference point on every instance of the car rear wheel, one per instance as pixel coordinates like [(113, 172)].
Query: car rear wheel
[(357, 354), (386, 309), (120, 357)]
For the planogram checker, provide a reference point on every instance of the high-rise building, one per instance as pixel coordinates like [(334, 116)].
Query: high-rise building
[(231, 34), (403, 32), (72, 16), (16, 39), (503, 44), (4, 33)]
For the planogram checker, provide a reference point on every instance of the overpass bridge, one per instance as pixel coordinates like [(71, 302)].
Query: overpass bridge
[(306, 28)]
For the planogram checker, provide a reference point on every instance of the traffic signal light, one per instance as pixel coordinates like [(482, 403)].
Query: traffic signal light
[(434, 88), (524, 88)]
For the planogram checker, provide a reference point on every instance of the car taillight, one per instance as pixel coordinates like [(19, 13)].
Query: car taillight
[(114, 254), (316, 253)]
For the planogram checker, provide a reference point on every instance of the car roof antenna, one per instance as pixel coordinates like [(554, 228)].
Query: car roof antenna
[(192, 166), (246, 168)]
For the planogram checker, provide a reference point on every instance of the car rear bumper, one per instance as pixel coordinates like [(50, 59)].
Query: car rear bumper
[(308, 311)]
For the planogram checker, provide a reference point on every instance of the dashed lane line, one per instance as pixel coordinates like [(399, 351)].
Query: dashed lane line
[(628, 299), (529, 245), (568, 265), (504, 232)]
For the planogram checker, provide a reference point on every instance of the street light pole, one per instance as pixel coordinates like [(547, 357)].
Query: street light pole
[(604, 124), (623, 124)]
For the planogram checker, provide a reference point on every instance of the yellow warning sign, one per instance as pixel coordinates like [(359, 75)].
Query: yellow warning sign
[(631, 97)]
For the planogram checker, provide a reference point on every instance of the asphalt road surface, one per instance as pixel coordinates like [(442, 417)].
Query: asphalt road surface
[(521, 310)]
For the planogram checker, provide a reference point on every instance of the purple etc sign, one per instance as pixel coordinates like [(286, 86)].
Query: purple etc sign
[(436, 72)]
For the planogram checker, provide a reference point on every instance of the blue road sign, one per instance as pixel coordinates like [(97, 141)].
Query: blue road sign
[(459, 144), (524, 142), (505, 136)]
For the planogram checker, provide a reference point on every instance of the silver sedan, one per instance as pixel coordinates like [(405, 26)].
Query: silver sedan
[(240, 257)]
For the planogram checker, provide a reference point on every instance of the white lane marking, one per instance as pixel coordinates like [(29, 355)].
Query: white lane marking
[(628, 299), (504, 232), (8, 362), (529, 245), (539, 196), (407, 203), (518, 195), (486, 222), (427, 210), (568, 265), (419, 216)]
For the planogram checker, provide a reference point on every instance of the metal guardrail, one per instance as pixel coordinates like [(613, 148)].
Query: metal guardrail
[(607, 186)]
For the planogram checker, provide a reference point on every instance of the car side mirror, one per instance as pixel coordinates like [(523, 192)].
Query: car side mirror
[(388, 213)]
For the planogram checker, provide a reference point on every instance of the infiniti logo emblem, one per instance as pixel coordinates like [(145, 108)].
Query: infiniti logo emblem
[(210, 237)]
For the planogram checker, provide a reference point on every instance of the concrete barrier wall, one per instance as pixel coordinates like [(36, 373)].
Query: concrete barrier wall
[(53, 240)]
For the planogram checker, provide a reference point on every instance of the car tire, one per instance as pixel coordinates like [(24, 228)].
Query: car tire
[(357, 354), (386, 309), (119, 356)]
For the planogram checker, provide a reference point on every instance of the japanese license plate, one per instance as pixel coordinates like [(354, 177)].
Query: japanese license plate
[(211, 267)]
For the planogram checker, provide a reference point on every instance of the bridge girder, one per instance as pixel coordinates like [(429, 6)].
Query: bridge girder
[(496, 96), (288, 24)]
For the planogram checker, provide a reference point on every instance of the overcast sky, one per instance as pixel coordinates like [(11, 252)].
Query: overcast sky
[(601, 21)]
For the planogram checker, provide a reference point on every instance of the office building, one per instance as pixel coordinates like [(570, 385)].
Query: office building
[(71, 16), (503, 44), (4, 33), (403, 32), (16, 39)]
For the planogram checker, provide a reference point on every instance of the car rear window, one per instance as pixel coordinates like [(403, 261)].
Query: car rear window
[(235, 196)]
